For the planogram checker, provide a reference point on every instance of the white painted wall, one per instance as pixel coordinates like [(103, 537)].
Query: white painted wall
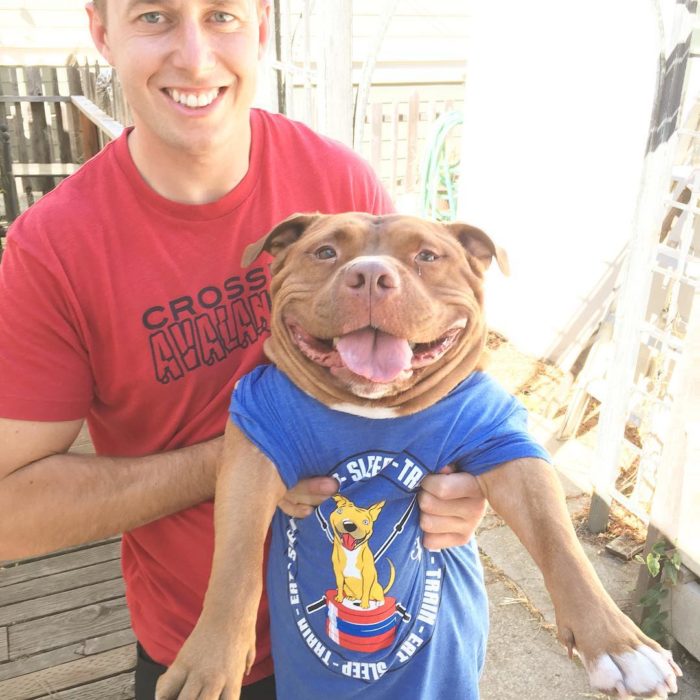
[(557, 107)]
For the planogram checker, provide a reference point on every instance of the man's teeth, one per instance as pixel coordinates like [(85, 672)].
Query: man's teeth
[(190, 99)]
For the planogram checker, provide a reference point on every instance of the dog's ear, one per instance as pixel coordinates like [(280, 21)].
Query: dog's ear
[(375, 510), (341, 501), (479, 246), (280, 238)]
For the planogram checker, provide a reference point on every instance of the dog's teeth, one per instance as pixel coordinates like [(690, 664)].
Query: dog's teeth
[(335, 342)]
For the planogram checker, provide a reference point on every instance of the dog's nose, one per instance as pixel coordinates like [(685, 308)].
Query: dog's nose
[(372, 275), (349, 526)]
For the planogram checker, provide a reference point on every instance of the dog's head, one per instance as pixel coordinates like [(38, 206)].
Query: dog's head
[(380, 311), (352, 525)]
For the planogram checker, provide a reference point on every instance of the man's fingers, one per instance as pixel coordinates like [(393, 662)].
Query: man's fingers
[(307, 494), (443, 525), (170, 684), (451, 507), (463, 508), (450, 486)]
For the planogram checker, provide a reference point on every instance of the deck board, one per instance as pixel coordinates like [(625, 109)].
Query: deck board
[(64, 626)]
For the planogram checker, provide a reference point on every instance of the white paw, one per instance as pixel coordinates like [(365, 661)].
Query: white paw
[(644, 672)]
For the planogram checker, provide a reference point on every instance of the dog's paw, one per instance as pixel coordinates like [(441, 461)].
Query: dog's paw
[(642, 672)]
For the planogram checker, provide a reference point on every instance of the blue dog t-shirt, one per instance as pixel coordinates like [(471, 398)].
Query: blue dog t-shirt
[(408, 622)]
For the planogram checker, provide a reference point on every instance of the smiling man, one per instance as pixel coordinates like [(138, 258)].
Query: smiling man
[(124, 304)]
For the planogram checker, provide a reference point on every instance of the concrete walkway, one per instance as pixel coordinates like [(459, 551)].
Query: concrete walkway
[(524, 659)]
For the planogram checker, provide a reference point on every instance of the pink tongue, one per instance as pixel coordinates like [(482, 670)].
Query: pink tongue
[(348, 541), (375, 355)]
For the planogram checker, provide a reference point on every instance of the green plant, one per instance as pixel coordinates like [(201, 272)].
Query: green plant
[(663, 562)]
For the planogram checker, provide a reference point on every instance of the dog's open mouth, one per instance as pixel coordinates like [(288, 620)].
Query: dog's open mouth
[(372, 353)]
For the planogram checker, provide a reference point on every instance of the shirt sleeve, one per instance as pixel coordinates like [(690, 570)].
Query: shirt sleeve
[(255, 409), (490, 427), (508, 441), (44, 365)]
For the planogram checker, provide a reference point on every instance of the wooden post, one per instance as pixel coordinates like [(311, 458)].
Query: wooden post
[(335, 71), (277, 20), (7, 181), (89, 137), (74, 88)]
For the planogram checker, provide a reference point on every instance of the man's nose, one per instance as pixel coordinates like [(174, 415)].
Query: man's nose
[(194, 52)]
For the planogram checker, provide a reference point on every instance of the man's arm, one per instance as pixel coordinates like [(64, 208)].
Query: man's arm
[(51, 499), (221, 647)]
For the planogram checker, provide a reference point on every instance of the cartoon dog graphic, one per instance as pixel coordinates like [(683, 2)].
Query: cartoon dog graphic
[(353, 561)]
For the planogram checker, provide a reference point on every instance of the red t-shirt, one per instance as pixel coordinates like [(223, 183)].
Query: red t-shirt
[(132, 310)]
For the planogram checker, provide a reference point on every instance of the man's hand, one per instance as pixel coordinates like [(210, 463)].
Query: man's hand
[(451, 508), (451, 505)]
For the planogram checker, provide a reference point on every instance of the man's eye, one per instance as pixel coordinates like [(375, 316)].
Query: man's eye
[(427, 256), (152, 17), (325, 253), (223, 17)]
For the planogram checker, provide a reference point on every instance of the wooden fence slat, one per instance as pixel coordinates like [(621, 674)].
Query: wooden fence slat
[(15, 573), (394, 149), (119, 687), (57, 583), (412, 153), (51, 680), (376, 118), (18, 141), (61, 602), (63, 655), (64, 151), (40, 136), (67, 627)]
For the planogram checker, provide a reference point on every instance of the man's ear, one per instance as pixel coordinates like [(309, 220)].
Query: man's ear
[(263, 26), (281, 237), (98, 31), (479, 246)]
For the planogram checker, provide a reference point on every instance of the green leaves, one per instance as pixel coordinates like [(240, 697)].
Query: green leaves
[(663, 562)]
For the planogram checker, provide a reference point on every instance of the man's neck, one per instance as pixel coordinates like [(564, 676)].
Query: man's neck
[(191, 177)]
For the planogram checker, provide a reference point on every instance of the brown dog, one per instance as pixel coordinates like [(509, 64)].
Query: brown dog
[(382, 317)]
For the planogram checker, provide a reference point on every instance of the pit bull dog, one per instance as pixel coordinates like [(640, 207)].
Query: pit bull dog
[(377, 339)]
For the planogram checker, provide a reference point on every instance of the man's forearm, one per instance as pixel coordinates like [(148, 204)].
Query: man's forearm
[(69, 499)]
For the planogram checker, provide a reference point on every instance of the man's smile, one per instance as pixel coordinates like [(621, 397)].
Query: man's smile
[(193, 98)]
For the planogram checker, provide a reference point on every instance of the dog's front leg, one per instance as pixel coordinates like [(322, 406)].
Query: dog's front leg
[(221, 648), (619, 658)]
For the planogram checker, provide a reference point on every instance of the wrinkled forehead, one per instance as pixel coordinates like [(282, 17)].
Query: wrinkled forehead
[(392, 234)]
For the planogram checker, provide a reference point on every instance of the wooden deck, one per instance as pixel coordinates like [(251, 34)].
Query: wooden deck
[(64, 626)]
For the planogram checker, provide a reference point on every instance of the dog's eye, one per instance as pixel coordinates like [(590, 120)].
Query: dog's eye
[(427, 256), (325, 253)]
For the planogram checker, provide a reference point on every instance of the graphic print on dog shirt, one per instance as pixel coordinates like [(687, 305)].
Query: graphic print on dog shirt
[(354, 596)]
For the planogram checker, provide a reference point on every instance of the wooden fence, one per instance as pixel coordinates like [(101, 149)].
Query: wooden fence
[(52, 119)]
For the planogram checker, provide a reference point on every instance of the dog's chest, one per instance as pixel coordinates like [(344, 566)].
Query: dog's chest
[(351, 567)]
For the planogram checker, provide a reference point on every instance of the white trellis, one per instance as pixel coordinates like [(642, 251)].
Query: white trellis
[(648, 337)]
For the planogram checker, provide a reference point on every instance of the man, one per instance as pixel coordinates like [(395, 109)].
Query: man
[(123, 302)]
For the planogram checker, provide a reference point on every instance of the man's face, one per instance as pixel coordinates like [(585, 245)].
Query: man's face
[(188, 67)]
